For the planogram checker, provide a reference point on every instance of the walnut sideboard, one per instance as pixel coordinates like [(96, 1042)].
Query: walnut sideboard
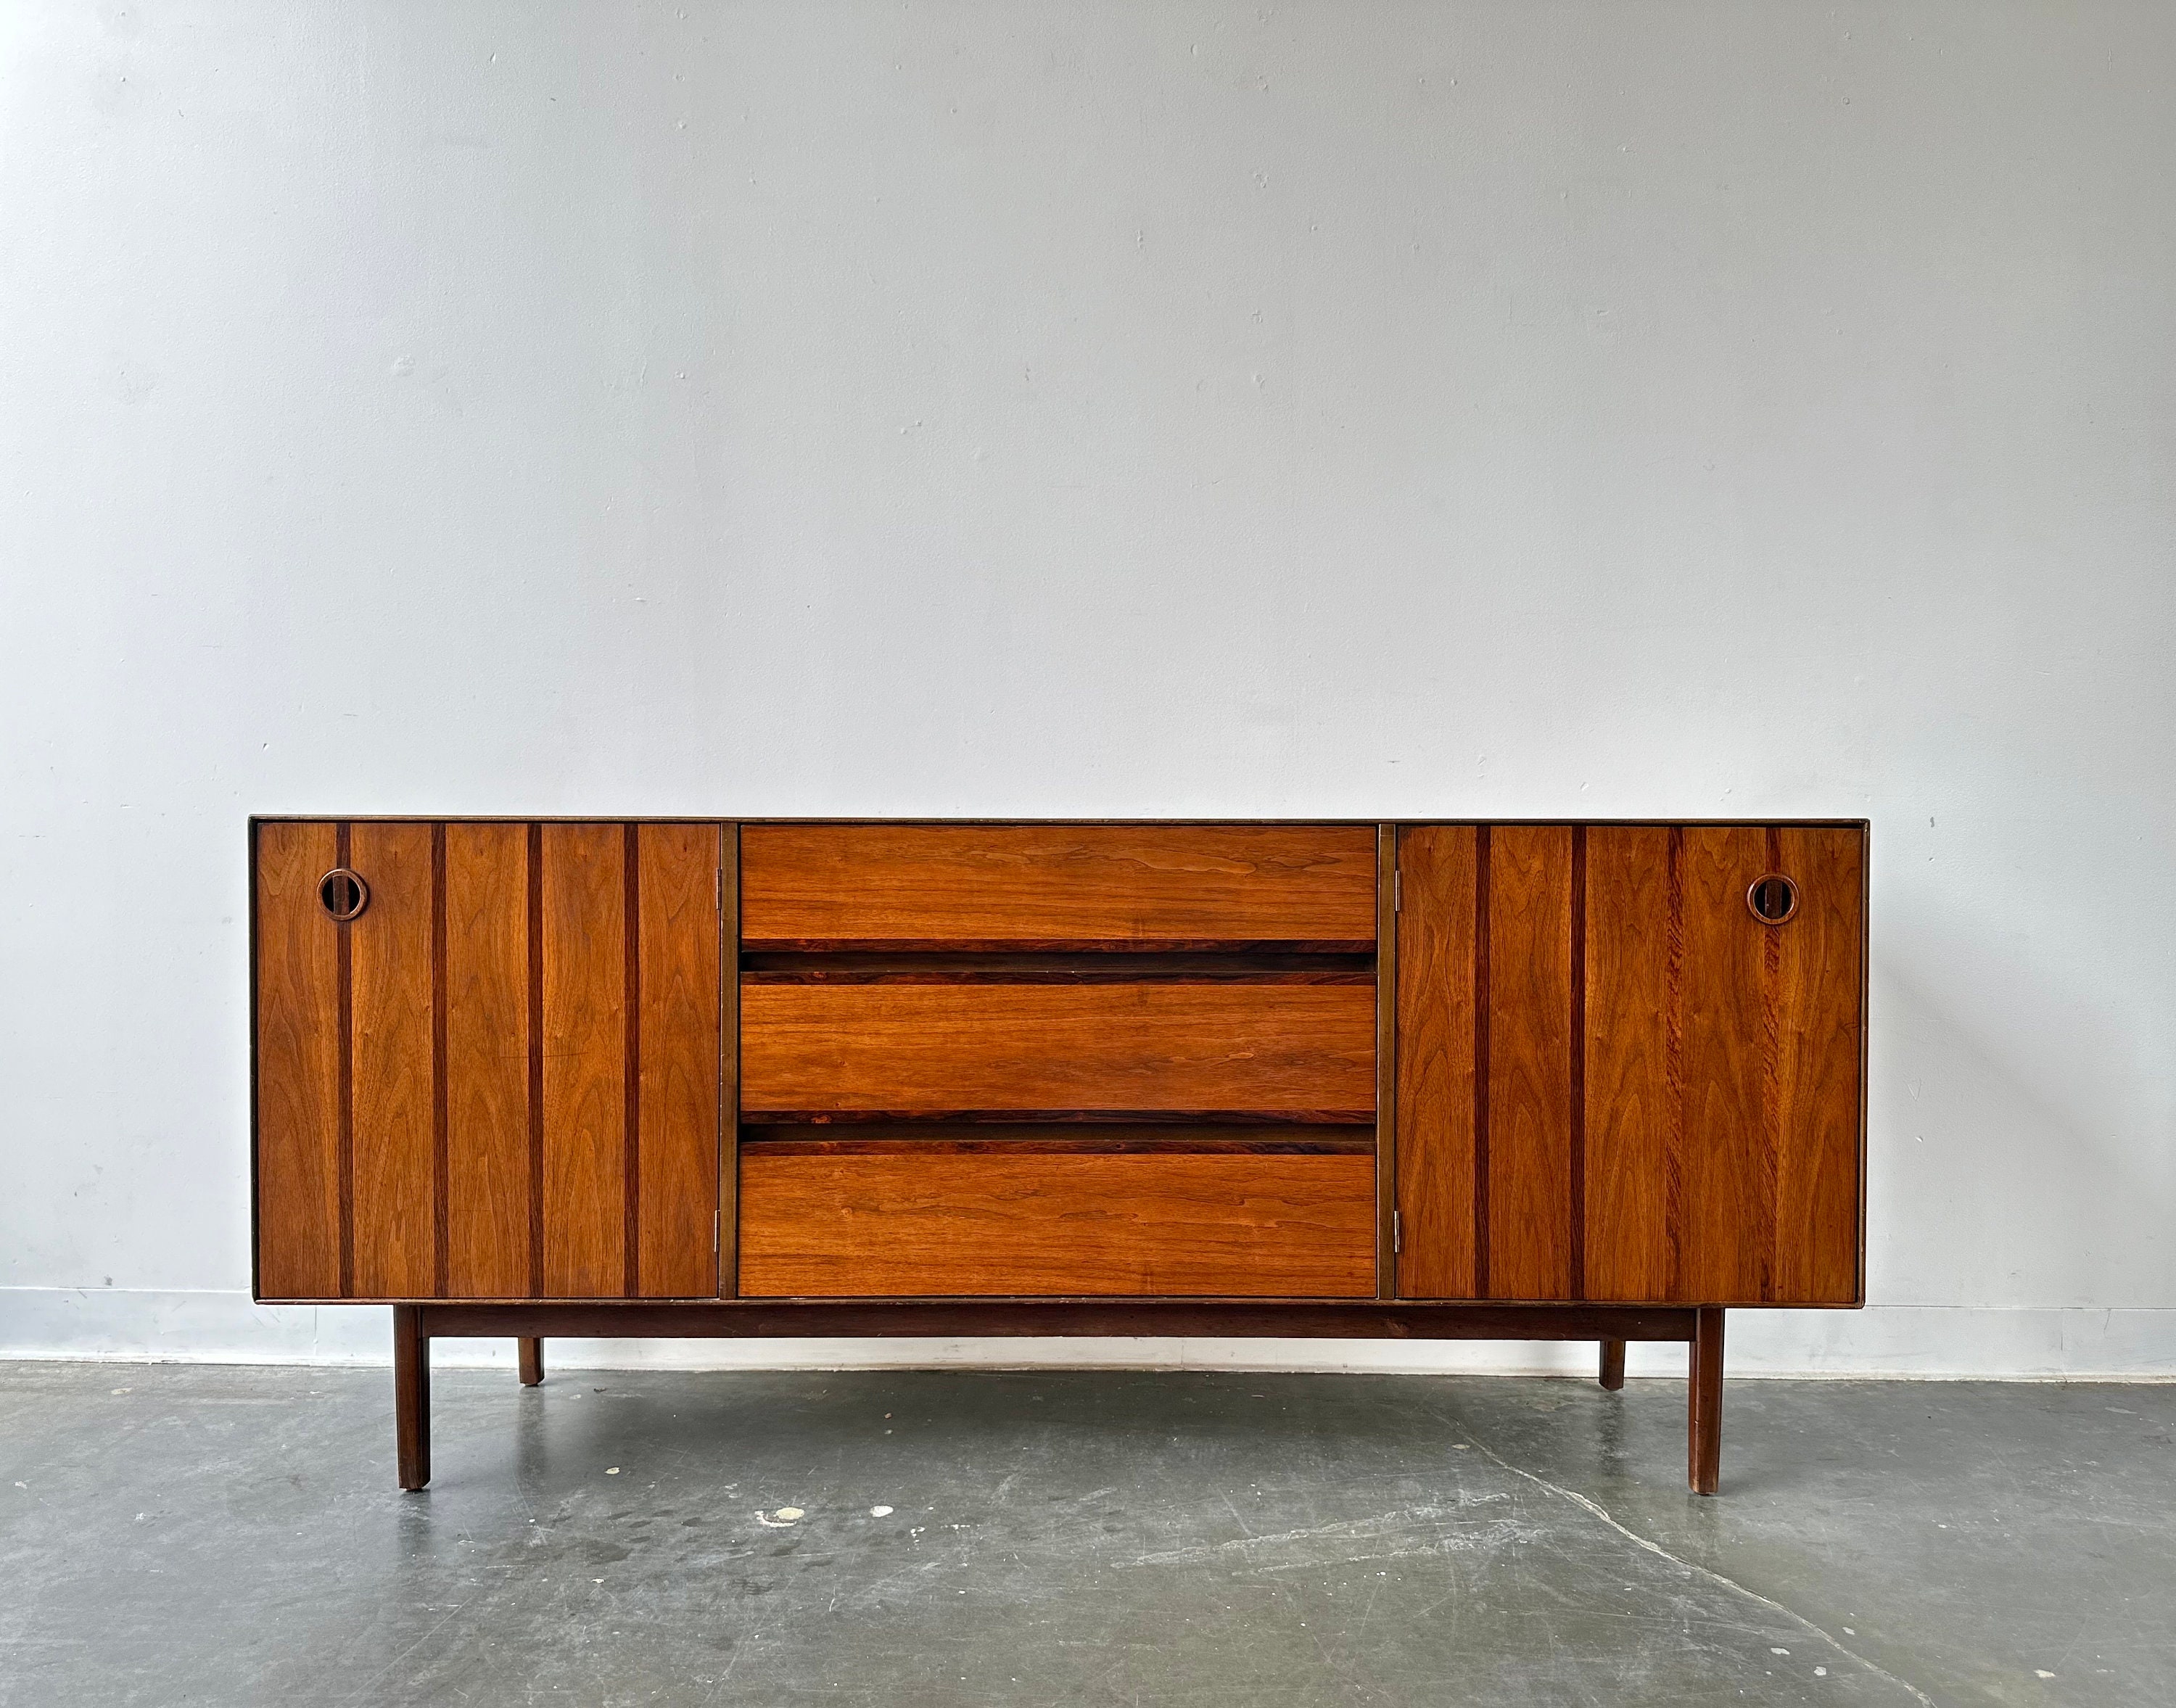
[(1571, 1080)]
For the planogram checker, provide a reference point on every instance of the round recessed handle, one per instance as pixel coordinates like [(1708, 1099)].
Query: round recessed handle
[(344, 892), (1772, 898)]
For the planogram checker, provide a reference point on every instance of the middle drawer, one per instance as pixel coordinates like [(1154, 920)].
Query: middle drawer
[(1279, 1052)]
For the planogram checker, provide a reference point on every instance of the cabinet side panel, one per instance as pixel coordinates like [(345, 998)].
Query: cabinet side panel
[(1728, 1161), (298, 1064), (677, 1179), (487, 1061), (1817, 1073), (1435, 1021), (1631, 1106), (727, 1234), (395, 1123), (584, 903), (1530, 1115)]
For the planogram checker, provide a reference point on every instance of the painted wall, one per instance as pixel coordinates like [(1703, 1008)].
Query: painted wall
[(1335, 408)]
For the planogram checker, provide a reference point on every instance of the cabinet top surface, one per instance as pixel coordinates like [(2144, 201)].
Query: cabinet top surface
[(729, 818)]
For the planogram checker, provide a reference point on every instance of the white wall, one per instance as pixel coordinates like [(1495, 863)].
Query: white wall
[(1083, 408)]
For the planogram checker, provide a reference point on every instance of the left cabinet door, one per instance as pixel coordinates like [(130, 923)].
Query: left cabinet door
[(501, 1077)]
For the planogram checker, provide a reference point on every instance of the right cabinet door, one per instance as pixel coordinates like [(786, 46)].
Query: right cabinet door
[(1629, 1063)]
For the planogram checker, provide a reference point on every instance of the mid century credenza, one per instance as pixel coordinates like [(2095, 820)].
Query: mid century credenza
[(674, 1077)]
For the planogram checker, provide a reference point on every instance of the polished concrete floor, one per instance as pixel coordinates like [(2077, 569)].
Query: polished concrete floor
[(189, 1535)]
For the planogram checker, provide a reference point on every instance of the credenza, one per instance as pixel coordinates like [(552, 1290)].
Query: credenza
[(673, 1077)]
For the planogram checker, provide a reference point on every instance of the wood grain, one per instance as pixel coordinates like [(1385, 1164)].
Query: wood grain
[(486, 1027), (297, 1064), (1821, 981), (1630, 1109), (1435, 1061), (1298, 1051), (584, 1039), (679, 1060), (1727, 1164), (1723, 1067), (849, 1226), (1530, 1005), (1021, 885), (394, 1100)]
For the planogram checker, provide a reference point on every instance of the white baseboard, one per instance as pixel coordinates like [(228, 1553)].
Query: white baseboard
[(2042, 1343)]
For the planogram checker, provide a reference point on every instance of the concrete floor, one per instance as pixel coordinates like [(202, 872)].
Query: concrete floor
[(175, 1535)]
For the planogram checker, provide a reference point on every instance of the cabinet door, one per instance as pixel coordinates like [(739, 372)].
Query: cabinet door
[(501, 1078), (1616, 1082), (1723, 1065)]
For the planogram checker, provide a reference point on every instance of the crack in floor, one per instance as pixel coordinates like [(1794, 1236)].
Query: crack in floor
[(1694, 1567)]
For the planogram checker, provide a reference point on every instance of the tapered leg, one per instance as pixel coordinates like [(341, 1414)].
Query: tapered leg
[(1704, 1404), (411, 1396), (532, 1360), (1612, 1365)]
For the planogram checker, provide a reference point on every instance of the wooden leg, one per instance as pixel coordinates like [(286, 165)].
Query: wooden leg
[(1612, 1365), (1704, 1404), (411, 1396), (532, 1360)]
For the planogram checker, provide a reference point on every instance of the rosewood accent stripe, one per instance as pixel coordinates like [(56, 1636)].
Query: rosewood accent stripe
[(631, 1128), (1480, 862), (441, 1173), (536, 881), (346, 959), (1579, 1061), (1233, 967)]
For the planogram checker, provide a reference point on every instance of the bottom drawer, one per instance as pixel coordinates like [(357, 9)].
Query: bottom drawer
[(891, 1224)]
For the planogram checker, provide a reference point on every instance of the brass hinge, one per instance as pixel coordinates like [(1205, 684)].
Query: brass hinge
[(1398, 1233), (717, 1230), (721, 891), (1397, 890)]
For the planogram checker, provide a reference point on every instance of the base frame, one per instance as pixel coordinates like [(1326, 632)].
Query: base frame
[(1700, 1327)]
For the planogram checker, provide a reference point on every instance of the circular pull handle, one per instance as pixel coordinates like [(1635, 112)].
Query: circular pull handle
[(344, 892), (1772, 899)]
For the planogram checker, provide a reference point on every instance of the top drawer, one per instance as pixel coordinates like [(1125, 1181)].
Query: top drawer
[(1000, 887)]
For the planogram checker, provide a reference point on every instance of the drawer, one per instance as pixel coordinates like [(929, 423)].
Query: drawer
[(998, 887), (891, 1224), (1278, 1052)]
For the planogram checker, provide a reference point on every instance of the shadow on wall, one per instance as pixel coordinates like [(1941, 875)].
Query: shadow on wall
[(1987, 1187)]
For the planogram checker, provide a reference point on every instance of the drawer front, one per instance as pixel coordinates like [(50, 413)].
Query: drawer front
[(1083, 886), (860, 1225), (1281, 1053)]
